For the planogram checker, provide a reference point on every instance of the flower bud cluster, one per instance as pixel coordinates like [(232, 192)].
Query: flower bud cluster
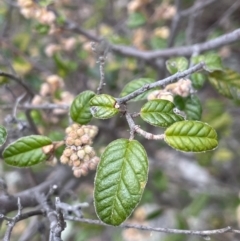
[(29, 9), (53, 84), (66, 44), (78, 152), (160, 94), (183, 88)]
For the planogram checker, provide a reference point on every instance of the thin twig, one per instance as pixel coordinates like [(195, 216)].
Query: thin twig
[(135, 128), (14, 114), (191, 24), (179, 51), (161, 83), (13, 221), (197, 7), (131, 125), (58, 177), (202, 233), (101, 70), (52, 215), (48, 106), (223, 40), (175, 23), (19, 81), (24, 215), (226, 15), (72, 209), (61, 224)]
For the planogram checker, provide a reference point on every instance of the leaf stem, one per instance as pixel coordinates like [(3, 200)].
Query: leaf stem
[(136, 129)]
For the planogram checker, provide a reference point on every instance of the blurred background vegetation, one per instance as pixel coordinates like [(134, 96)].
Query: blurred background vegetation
[(185, 191)]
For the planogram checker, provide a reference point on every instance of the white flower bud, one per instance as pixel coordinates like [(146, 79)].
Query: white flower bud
[(80, 132), (68, 152), (81, 154), (74, 157), (85, 139), (64, 159), (76, 163), (76, 126), (88, 149), (77, 142), (68, 130), (69, 141), (86, 158)]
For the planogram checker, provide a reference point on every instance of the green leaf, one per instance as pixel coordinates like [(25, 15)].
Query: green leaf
[(28, 151), (3, 135), (136, 20), (176, 64), (158, 43), (191, 136), (120, 180), (179, 102), (193, 108), (135, 85), (42, 28), (80, 107), (64, 65), (212, 61), (103, 106), (198, 80), (227, 83), (159, 113)]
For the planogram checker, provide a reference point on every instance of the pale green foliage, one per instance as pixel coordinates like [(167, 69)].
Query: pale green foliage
[(191, 136), (177, 64), (103, 106)]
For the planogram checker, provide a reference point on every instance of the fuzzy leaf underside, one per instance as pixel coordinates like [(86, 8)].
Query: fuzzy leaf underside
[(26, 151), (120, 180), (103, 106), (191, 136)]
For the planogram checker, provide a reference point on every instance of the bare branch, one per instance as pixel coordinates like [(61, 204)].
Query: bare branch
[(175, 23), (179, 51), (13, 221), (19, 81), (48, 106), (72, 209), (135, 128), (202, 233), (16, 105), (197, 7), (161, 83), (225, 16), (74, 27), (58, 177), (223, 40), (55, 217), (101, 70)]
